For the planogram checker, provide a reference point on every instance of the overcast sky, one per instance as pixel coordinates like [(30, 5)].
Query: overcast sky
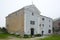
[(49, 8)]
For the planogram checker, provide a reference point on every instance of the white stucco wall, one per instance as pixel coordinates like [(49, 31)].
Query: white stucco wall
[(29, 17), (38, 20), (47, 21)]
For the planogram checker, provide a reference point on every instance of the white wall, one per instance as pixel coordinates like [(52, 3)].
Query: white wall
[(38, 20), (46, 24), (29, 17)]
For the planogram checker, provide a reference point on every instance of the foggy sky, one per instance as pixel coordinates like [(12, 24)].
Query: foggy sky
[(49, 8)]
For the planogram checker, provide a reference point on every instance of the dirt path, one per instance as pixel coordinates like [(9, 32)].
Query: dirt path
[(14, 38), (23, 39), (20, 39)]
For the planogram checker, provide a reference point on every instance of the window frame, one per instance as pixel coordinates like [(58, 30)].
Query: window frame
[(43, 19), (32, 13), (32, 22)]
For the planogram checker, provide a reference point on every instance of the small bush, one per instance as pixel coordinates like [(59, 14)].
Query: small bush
[(37, 35), (26, 36), (15, 35), (18, 36)]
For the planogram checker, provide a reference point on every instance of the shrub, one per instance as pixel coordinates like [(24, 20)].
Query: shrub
[(37, 35), (15, 35), (4, 30), (26, 36)]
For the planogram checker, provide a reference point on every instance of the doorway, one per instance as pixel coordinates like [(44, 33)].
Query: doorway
[(49, 31), (32, 31), (42, 33)]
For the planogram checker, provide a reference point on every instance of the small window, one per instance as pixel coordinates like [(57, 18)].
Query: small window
[(43, 25), (32, 13), (32, 22), (43, 19), (40, 25)]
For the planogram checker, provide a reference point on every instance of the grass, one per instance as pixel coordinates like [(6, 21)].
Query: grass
[(52, 37), (4, 35)]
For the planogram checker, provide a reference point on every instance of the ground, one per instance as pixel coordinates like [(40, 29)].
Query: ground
[(52, 37), (10, 37), (15, 38)]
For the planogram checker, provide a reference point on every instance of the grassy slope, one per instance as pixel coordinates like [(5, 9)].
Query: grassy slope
[(52, 37), (4, 35)]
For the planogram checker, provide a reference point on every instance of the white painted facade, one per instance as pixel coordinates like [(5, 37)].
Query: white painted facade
[(37, 18), (47, 24)]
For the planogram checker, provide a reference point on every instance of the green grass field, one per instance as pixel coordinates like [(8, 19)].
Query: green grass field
[(52, 37), (4, 35)]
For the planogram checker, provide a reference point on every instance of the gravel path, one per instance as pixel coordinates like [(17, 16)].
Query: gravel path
[(14, 38)]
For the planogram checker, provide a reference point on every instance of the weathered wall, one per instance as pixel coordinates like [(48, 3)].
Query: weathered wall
[(15, 22)]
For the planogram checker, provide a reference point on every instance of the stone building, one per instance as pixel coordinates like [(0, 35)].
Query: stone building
[(28, 20), (56, 25)]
